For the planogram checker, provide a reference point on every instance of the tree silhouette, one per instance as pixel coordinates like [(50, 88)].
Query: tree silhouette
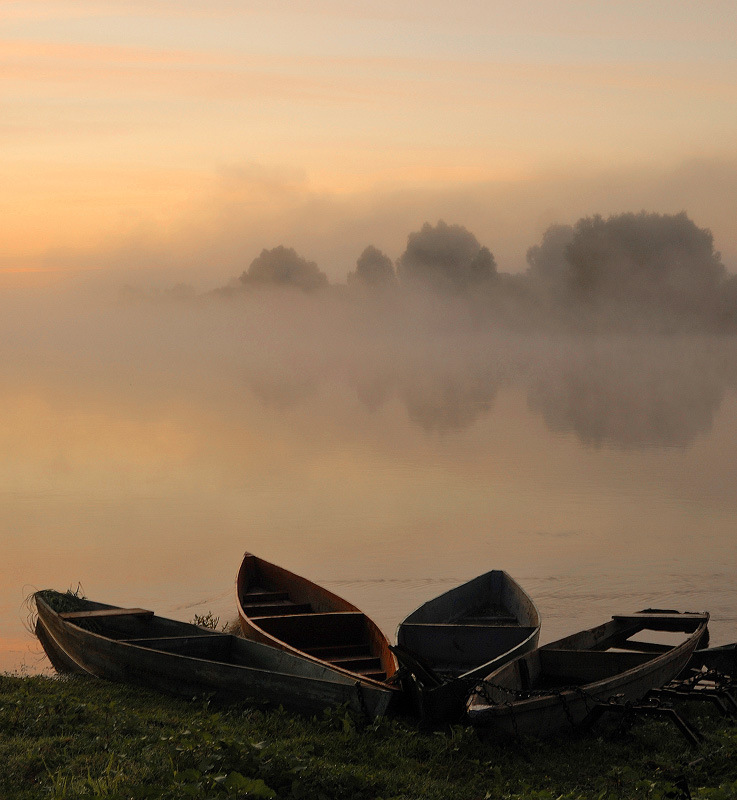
[(445, 258), (282, 266)]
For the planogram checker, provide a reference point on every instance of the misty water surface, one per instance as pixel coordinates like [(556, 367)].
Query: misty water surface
[(388, 453)]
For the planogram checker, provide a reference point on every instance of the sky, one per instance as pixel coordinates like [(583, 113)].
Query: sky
[(178, 138)]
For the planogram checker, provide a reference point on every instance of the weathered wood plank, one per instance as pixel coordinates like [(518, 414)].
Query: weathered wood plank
[(643, 615), (107, 612), (662, 621)]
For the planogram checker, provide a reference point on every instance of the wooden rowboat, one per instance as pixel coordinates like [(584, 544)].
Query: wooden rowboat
[(722, 658), (134, 645), (282, 609), (557, 686), (453, 641)]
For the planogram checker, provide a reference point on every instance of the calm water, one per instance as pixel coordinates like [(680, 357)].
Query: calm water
[(146, 445)]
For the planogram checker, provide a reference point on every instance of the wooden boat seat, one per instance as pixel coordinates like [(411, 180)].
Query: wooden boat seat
[(260, 602), (358, 664), (662, 621), (356, 658), (375, 676), (488, 620), (106, 612)]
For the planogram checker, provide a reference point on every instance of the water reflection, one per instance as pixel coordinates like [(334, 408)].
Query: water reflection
[(143, 450), (435, 400), (634, 394), (628, 393)]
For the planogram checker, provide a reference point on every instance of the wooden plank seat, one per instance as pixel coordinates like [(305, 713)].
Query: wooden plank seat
[(662, 621), (106, 612), (488, 619), (360, 664), (260, 602)]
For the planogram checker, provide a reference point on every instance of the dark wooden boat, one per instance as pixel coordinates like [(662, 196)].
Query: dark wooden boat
[(454, 640), (284, 610), (136, 646), (722, 658), (557, 686)]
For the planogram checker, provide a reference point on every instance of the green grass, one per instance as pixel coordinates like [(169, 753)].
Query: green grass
[(80, 737)]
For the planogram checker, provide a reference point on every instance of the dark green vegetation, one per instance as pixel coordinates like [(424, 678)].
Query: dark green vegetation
[(83, 737)]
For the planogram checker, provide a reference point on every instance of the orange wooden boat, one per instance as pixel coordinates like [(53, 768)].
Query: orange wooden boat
[(282, 609)]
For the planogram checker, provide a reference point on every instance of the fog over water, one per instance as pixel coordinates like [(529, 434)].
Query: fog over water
[(389, 446)]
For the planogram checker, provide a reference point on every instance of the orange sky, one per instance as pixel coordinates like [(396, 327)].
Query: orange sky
[(124, 124)]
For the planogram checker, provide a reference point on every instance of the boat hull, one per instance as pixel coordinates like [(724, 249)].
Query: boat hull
[(287, 611), (557, 686), (463, 635), (722, 659)]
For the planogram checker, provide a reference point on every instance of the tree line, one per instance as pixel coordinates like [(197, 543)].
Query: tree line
[(641, 262)]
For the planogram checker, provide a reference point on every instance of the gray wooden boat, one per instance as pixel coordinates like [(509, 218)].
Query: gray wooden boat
[(722, 658), (454, 640), (557, 686), (136, 646), (290, 612)]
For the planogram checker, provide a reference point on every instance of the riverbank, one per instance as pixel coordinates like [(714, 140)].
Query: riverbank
[(77, 737)]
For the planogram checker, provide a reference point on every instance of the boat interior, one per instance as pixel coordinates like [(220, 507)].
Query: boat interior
[(470, 625), (598, 654), (340, 638), (141, 628), (455, 647)]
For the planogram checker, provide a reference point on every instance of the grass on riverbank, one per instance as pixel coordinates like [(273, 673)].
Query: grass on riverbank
[(80, 737)]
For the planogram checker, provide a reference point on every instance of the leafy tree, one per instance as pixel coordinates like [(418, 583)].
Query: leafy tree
[(374, 270), (282, 266), (445, 258), (644, 257), (547, 260)]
